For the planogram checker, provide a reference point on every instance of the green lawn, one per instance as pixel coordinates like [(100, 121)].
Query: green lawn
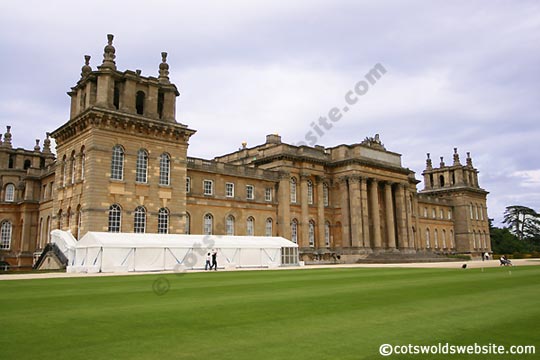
[(288, 314)]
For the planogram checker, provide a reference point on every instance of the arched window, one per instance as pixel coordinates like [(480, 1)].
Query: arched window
[(187, 226), (139, 220), (476, 212), (311, 233), (79, 222), (10, 193), (73, 167), (484, 241), (27, 164), (48, 232), (68, 217), (250, 226), (441, 180), (293, 190), (163, 221), (310, 192), (444, 239), (139, 102), (327, 234), (229, 225), (115, 218), (59, 224), (116, 97), (452, 242), (160, 102), (326, 195), (141, 168), (117, 163), (208, 224), (64, 170), (436, 238), (164, 169), (294, 231), (427, 239), (83, 162), (268, 227), (474, 239), (472, 211), (5, 235)]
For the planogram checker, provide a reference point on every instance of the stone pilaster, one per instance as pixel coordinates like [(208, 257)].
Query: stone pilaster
[(365, 212), (284, 209), (303, 241), (374, 206), (401, 213), (356, 212), (345, 221), (320, 213), (389, 214)]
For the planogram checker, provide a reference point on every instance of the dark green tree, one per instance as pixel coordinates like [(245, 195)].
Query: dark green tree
[(523, 221)]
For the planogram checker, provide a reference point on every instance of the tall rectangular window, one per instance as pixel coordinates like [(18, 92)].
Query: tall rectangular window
[(164, 169), (188, 185), (229, 190), (117, 163), (141, 166), (250, 192), (268, 194), (208, 186)]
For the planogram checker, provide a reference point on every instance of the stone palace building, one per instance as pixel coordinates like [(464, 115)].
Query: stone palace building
[(121, 165)]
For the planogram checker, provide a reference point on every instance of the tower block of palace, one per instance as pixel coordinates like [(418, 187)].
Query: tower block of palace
[(121, 152), (457, 184)]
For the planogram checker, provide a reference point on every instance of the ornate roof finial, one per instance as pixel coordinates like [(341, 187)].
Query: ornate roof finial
[(469, 159), (456, 157), (7, 137), (442, 162), (0, 139), (37, 148), (47, 144), (429, 164), (163, 69), (108, 54), (86, 69)]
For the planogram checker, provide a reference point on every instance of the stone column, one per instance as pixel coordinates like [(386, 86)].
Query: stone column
[(374, 206), (345, 227), (284, 210), (401, 211), (303, 240), (390, 224), (320, 213), (365, 212), (355, 212)]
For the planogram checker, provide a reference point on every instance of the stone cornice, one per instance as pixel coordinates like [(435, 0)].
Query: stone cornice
[(126, 123)]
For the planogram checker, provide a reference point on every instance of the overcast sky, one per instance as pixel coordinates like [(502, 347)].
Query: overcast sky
[(462, 74)]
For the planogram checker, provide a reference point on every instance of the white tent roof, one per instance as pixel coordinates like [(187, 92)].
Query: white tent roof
[(131, 240)]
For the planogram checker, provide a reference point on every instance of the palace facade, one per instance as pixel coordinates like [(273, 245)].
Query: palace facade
[(122, 165)]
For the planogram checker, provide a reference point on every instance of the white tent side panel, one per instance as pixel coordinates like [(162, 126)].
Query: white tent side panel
[(122, 252)]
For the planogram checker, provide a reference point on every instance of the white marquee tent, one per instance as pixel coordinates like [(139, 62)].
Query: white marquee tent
[(122, 252)]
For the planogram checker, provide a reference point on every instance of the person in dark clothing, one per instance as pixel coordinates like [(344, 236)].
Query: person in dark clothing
[(214, 260)]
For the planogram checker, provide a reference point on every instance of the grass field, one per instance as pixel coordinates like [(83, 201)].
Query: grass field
[(341, 313)]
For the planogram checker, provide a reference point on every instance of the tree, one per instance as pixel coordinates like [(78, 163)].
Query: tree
[(524, 222)]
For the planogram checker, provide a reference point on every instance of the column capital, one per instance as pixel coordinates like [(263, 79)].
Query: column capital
[(355, 178), (304, 176), (284, 175), (320, 179), (343, 179)]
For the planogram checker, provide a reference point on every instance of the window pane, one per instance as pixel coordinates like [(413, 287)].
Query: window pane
[(163, 221), (164, 169), (141, 166), (117, 163), (139, 220)]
